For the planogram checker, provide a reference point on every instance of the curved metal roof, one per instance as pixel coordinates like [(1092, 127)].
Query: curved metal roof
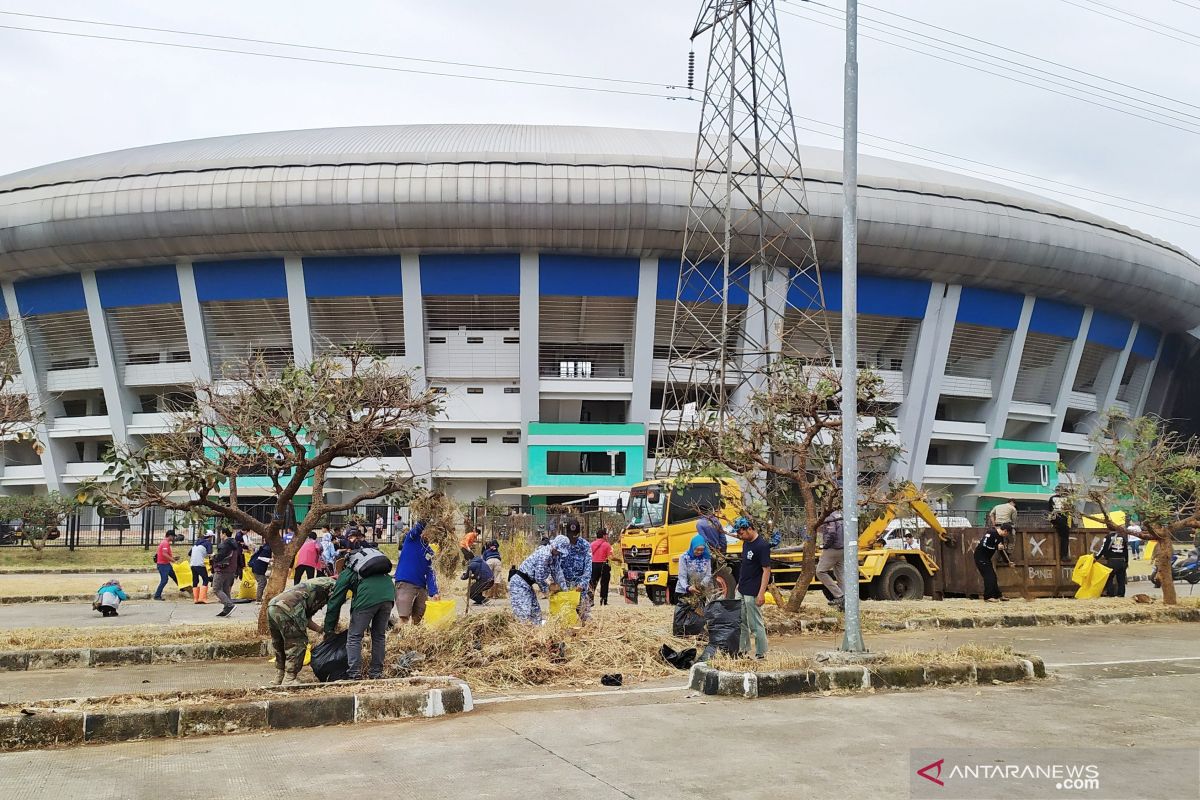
[(566, 189)]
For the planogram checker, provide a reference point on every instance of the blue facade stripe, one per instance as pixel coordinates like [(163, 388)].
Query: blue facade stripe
[(595, 276), (251, 279), (1145, 344), (1109, 330), (704, 284), (877, 295), (471, 274), (352, 276), (53, 295), (1056, 319), (138, 286), (989, 307)]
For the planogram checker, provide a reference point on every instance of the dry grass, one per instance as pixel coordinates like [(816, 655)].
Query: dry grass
[(35, 585), (128, 636), (775, 660), (492, 651)]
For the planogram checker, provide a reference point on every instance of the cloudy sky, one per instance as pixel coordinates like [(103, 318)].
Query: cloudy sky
[(66, 96)]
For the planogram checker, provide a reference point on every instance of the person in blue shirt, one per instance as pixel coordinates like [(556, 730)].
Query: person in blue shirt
[(710, 528), (543, 566), (754, 577), (108, 598), (479, 580), (577, 568), (258, 567), (415, 576)]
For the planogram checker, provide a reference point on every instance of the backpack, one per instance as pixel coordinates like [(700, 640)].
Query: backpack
[(367, 562)]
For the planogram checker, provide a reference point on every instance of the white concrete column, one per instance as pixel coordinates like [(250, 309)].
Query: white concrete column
[(643, 340), (919, 409), (530, 317), (193, 322), (53, 459), (414, 355), (1002, 392), (119, 400), (1105, 400), (1066, 386), (297, 297)]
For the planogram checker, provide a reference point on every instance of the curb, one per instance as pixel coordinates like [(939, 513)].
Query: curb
[(64, 598), (707, 680), (1033, 620), (52, 727), (79, 657)]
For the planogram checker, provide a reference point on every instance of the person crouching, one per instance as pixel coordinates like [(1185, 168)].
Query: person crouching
[(542, 567), (289, 618), (109, 598)]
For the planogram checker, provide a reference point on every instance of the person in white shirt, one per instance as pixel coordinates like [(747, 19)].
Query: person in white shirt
[(200, 578)]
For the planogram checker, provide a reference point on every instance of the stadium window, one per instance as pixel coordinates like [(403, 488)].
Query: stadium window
[(512, 339), (478, 440), (510, 439), (437, 339), (474, 340), (512, 389), (474, 390), (447, 440)]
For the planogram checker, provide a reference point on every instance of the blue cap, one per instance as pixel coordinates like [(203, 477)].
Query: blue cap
[(741, 524)]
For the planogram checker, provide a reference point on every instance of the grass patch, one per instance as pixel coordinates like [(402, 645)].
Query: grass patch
[(54, 557), (129, 636)]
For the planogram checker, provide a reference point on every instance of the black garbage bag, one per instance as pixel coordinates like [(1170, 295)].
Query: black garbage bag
[(724, 618), (329, 661), (689, 621), (679, 659)]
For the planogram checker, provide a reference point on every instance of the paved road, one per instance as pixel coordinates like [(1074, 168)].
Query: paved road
[(653, 745)]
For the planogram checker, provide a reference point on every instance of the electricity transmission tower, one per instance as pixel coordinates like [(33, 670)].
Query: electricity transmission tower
[(749, 288)]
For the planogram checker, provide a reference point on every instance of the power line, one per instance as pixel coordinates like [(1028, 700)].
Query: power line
[(1160, 32), (1128, 111), (1186, 4), (310, 60), (249, 40), (1143, 19)]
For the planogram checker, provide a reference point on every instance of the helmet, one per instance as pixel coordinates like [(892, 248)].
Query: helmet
[(741, 524), (572, 527)]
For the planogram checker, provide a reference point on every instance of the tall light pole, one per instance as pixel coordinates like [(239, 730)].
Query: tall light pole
[(852, 641)]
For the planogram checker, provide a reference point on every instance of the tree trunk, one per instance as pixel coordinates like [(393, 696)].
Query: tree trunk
[(1163, 551), (282, 558), (807, 570)]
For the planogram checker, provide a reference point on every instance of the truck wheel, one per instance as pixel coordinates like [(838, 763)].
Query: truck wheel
[(899, 581)]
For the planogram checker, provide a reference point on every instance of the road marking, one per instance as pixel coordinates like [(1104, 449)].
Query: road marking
[(562, 695), (1132, 661)]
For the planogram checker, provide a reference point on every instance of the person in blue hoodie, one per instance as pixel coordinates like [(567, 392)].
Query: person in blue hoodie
[(415, 577), (108, 598)]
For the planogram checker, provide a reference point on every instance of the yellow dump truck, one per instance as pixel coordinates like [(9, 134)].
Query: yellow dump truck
[(660, 521)]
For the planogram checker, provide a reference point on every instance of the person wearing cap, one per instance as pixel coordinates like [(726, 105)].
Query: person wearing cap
[(753, 579), (577, 567), (289, 618), (542, 567), (601, 571)]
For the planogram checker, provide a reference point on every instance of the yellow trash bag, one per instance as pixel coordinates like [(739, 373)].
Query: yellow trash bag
[(1148, 551), (183, 574), (1091, 576), (563, 607), (307, 656), (438, 612), (247, 588)]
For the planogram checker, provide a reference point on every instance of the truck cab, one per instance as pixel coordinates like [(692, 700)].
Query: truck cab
[(660, 521)]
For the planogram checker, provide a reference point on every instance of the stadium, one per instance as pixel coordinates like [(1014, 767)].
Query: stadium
[(529, 273)]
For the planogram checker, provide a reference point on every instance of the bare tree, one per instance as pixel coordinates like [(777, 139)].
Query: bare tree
[(1146, 468), (18, 418), (286, 429), (40, 516), (784, 446)]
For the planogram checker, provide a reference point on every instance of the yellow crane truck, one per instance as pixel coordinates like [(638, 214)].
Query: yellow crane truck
[(660, 521)]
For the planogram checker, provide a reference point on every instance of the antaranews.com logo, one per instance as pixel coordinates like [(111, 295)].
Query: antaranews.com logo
[(1095, 773)]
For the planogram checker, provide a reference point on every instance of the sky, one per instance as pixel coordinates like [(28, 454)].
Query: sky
[(67, 96)]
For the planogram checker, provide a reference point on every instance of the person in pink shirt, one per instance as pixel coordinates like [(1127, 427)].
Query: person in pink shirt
[(307, 559), (601, 571), (164, 560)]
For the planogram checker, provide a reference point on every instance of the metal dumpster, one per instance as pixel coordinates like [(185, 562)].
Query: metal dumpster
[(1030, 567)]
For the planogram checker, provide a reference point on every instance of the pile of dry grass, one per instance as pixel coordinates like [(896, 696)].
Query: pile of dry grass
[(442, 518), (493, 651), (127, 636)]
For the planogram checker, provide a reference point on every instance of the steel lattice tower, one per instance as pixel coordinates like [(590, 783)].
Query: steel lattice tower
[(749, 287)]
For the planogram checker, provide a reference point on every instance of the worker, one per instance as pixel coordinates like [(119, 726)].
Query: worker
[(985, 551), (1060, 518), (307, 559), (710, 528), (695, 568), (289, 618), (415, 577), (480, 580), (577, 567), (200, 579), (109, 598), (467, 543), (371, 608), (164, 560), (543, 567), (259, 563), (1005, 514), (829, 564), (228, 563), (753, 579), (1115, 555), (491, 556), (601, 569)]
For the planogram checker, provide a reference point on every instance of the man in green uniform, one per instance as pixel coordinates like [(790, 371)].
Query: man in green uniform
[(289, 618), (374, 597)]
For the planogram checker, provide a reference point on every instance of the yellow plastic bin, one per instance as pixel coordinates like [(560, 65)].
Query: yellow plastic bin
[(563, 607), (438, 612)]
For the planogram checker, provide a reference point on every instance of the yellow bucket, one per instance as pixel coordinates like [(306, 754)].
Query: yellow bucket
[(438, 612), (563, 605)]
